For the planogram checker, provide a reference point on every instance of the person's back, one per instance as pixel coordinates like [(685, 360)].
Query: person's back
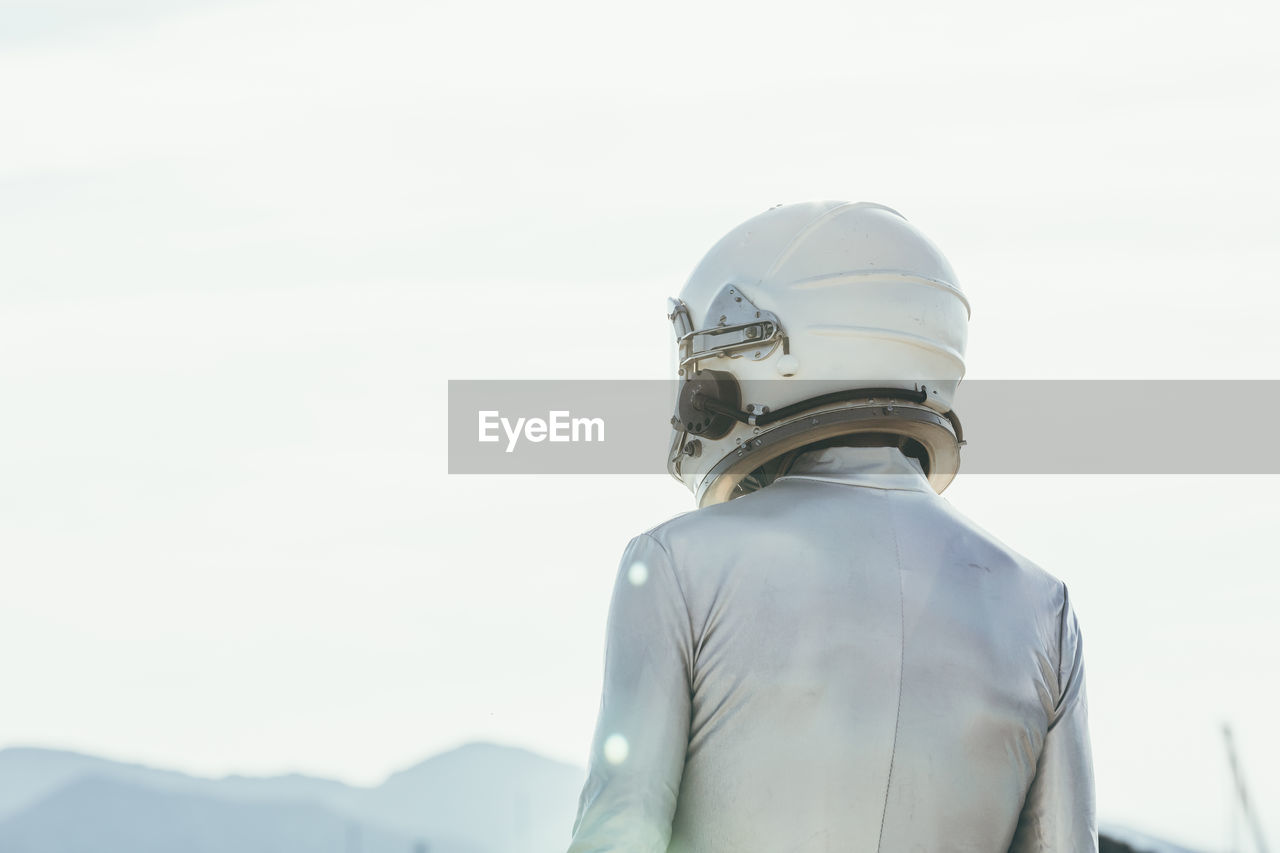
[(860, 669), (826, 656)]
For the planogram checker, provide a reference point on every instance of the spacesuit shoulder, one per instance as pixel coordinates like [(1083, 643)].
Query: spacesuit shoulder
[(1047, 597), (1012, 561), (694, 538), (697, 523)]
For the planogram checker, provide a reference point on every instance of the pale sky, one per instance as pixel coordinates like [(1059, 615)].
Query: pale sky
[(243, 245)]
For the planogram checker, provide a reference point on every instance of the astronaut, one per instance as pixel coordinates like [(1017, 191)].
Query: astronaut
[(825, 655)]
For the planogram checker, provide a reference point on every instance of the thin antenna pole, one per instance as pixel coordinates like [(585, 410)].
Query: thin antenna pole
[(1242, 791)]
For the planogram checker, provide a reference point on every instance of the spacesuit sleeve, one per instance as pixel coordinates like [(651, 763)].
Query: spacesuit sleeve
[(1059, 812), (638, 752)]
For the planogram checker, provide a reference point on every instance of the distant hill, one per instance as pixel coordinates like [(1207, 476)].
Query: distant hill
[(27, 775), (505, 799), (480, 798), (96, 815)]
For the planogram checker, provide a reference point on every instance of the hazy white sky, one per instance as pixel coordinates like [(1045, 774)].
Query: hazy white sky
[(243, 246)]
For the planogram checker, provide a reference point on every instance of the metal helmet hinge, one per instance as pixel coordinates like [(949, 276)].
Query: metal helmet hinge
[(740, 330)]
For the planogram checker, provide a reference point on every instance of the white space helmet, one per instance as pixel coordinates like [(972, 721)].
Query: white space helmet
[(808, 323)]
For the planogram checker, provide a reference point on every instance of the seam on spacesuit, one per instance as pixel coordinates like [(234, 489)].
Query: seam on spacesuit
[(902, 659), (1066, 686), (671, 567), (1062, 633)]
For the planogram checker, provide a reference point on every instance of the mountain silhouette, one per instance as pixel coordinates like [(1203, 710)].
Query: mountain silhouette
[(95, 815), (479, 798)]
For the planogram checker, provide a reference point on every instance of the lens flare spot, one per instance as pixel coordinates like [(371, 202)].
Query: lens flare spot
[(638, 573), (616, 749)]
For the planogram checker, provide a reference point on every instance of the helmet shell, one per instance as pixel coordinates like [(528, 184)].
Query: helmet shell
[(864, 300)]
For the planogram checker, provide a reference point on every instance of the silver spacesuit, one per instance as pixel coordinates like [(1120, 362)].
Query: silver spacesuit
[(827, 656), (838, 662)]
